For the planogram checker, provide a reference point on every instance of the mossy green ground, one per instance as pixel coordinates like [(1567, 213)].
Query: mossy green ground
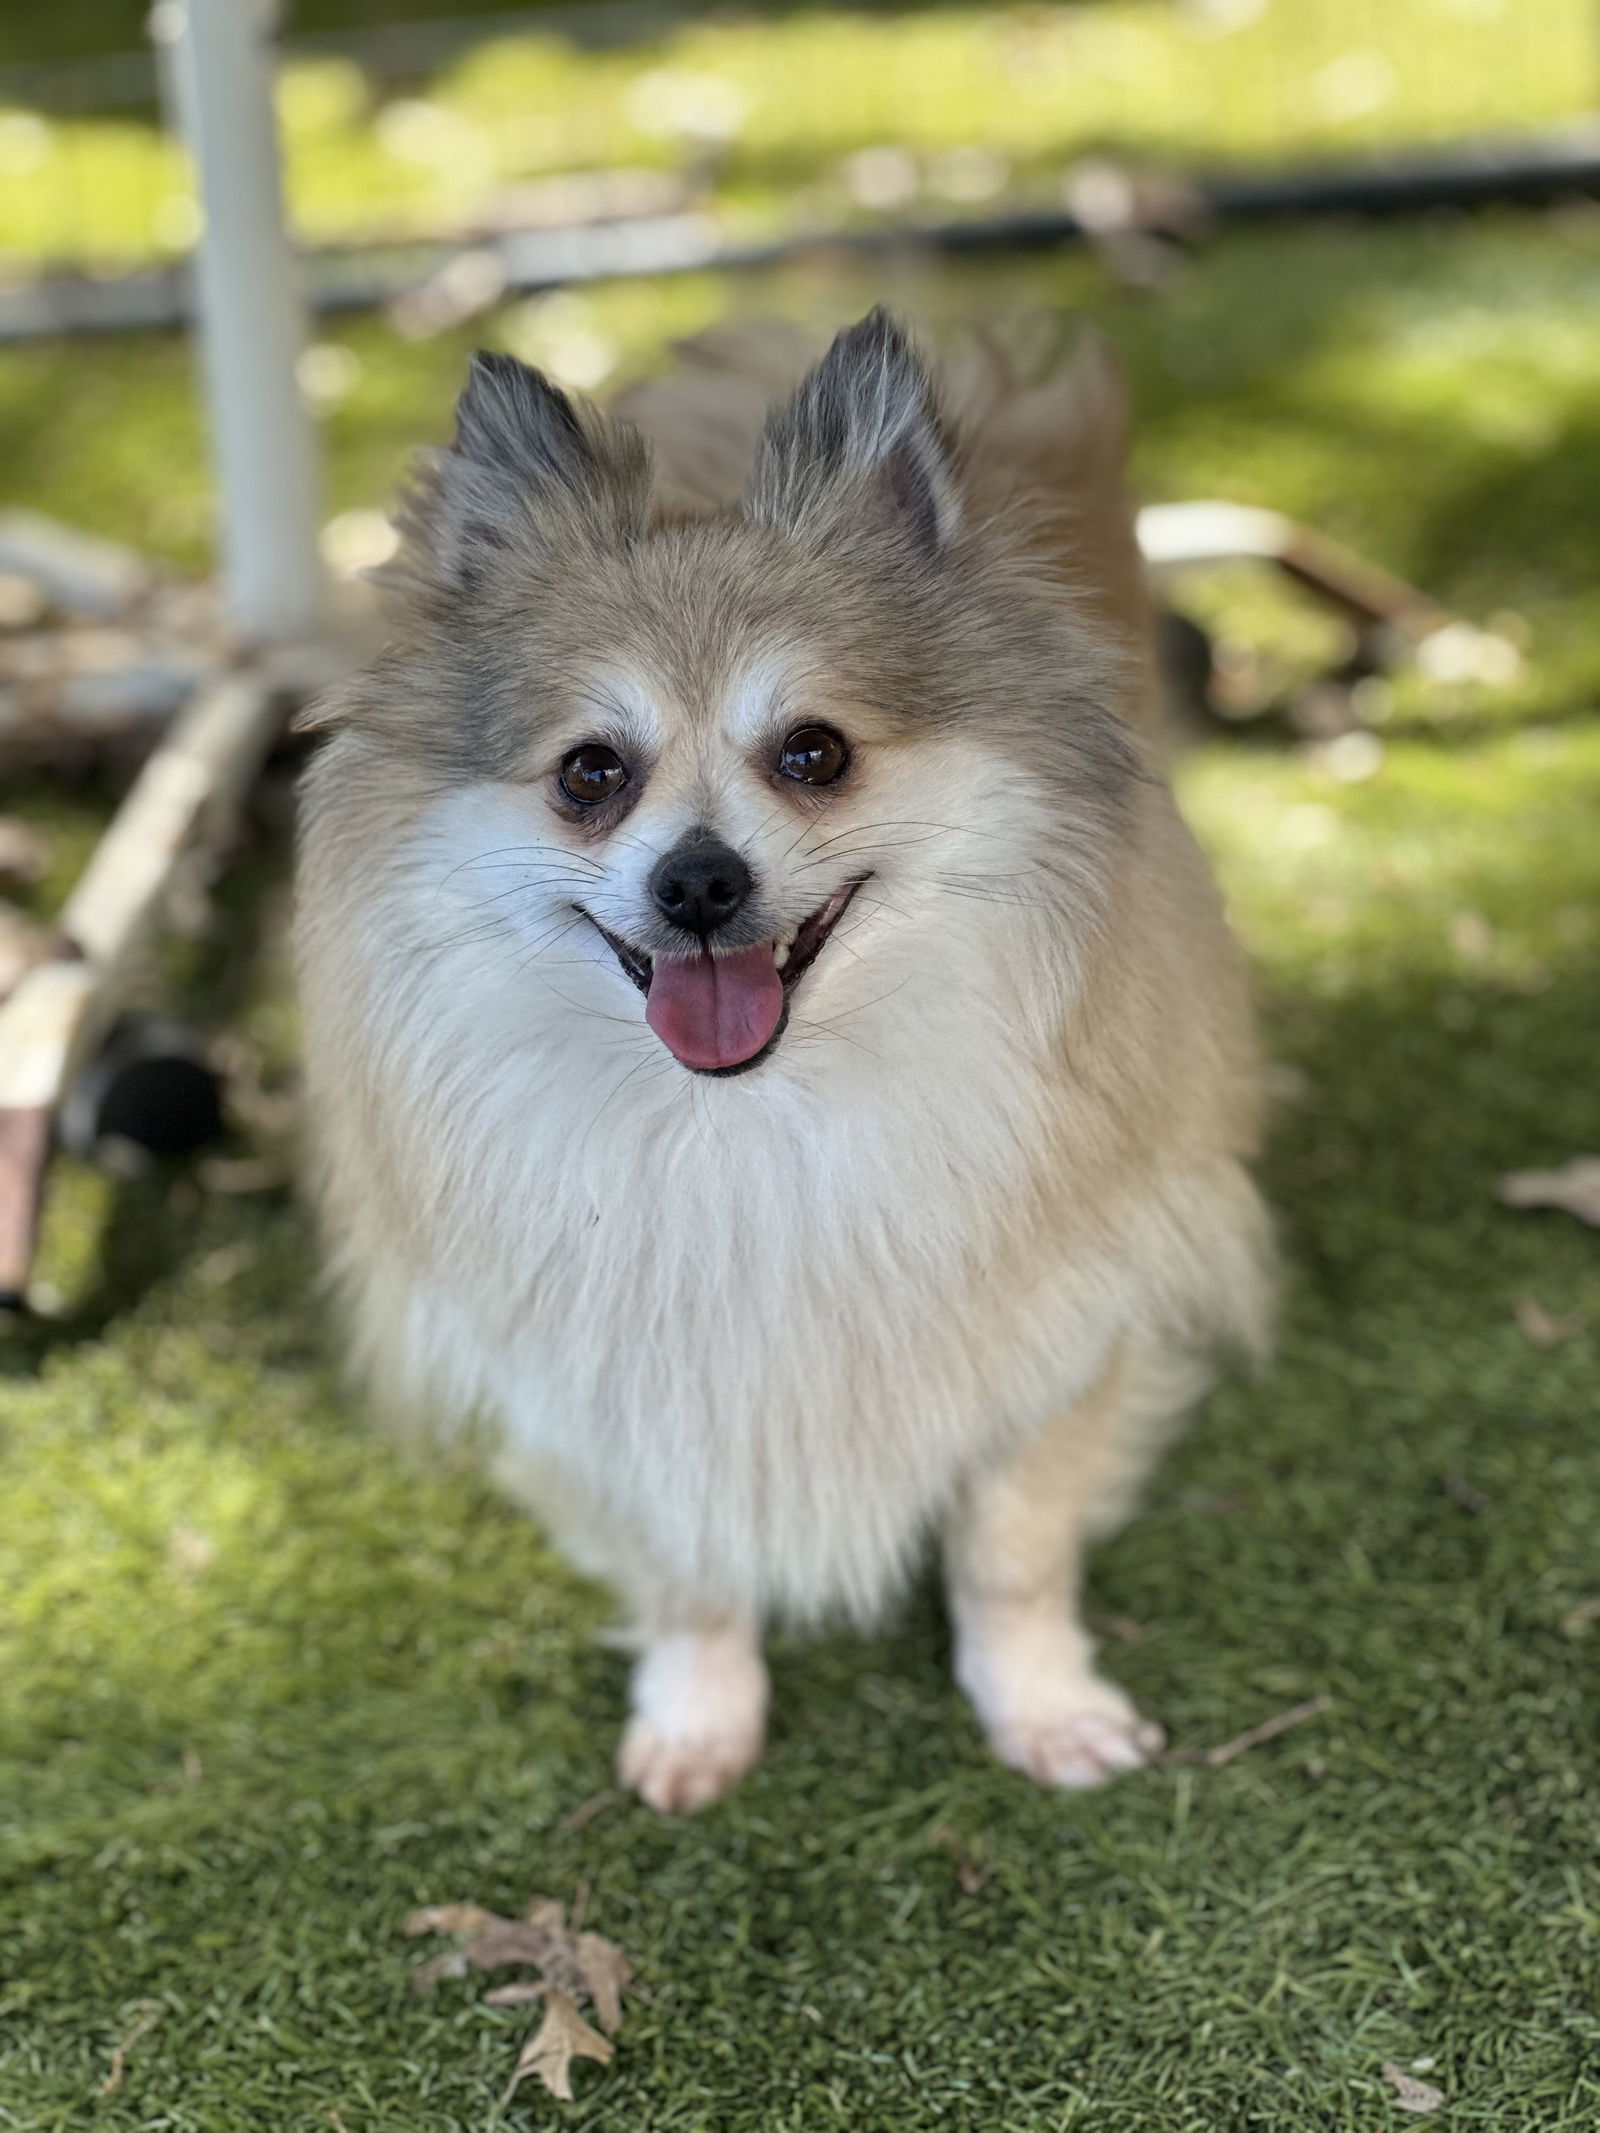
[(264, 1686)]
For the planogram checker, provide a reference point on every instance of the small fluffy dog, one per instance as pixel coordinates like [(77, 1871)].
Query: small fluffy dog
[(776, 1058)]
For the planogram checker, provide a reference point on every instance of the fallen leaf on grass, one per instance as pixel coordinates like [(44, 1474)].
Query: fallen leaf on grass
[(494, 1943), (606, 1972), (1410, 2094), (1574, 1188), (573, 1966), (561, 2037), (1543, 1327), (453, 1918), (428, 1976), (522, 1992)]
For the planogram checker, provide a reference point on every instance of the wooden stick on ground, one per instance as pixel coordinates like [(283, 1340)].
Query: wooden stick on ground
[(1219, 1757), (183, 797)]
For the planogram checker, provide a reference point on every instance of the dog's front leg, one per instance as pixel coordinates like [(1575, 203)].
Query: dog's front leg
[(698, 1723), (1013, 1561)]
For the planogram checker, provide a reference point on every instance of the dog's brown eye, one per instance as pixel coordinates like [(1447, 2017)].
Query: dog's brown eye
[(813, 755), (592, 774)]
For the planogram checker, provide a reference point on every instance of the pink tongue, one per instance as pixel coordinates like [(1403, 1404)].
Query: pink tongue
[(718, 1010)]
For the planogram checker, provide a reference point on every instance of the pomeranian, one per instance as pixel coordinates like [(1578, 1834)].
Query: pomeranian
[(778, 1069)]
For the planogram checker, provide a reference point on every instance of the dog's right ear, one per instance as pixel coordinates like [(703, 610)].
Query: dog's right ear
[(527, 465)]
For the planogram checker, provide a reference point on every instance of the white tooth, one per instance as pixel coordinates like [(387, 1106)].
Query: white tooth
[(780, 954)]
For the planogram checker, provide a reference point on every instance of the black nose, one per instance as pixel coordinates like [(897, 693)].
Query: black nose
[(700, 884)]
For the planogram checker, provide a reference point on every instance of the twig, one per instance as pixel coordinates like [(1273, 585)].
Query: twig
[(153, 2010), (1269, 1729), (971, 1873), (586, 1811)]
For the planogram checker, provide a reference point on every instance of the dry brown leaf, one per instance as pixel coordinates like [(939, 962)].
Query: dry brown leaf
[(1574, 1188), (1410, 2094), (522, 1992), (606, 1971), (561, 2037), (542, 1939), (502, 1942), (573, 1965), (453, 1918), (428, 1976), (1543, 1327)]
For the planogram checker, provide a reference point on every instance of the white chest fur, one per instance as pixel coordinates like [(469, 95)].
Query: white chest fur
[(760, 1321)]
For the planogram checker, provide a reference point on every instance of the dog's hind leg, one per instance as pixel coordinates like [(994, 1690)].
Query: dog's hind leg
[(1014, 1548)]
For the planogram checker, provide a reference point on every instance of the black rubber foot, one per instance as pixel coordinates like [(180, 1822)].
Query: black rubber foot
[(149, 1085)]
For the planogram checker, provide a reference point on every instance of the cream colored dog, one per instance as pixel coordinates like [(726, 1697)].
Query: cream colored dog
[(776, 1060)]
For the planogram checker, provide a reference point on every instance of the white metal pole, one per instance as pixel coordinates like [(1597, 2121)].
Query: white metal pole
[(252, 316)]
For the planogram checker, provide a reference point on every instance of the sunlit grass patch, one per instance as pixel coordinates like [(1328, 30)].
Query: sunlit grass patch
[(819, 117)]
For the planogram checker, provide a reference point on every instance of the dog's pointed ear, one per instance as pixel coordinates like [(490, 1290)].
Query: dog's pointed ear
[(862, 442), (527, 463)]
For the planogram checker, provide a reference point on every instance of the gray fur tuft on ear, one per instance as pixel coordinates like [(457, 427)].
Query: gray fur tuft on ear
[(861, 442), (514, 421), (528, 467)]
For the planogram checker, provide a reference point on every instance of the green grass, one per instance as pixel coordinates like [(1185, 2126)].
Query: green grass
[(978, 104), (264, 1685)]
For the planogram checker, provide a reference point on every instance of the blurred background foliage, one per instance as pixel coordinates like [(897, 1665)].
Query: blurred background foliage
[(785, 118)]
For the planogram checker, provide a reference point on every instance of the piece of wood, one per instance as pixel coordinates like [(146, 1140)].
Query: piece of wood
[(24, 1145), (79, 573), (183, 797), (1176, 536)]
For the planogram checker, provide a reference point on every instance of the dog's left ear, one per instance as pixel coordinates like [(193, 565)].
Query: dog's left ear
[(861, 444)]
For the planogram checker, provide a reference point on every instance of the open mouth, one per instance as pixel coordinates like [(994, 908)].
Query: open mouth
[(722, 1014)]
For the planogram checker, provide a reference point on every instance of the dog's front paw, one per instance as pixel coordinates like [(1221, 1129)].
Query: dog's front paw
[(699, 1718), (1043, 1708), (1075, 1743), (678, 1777)]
